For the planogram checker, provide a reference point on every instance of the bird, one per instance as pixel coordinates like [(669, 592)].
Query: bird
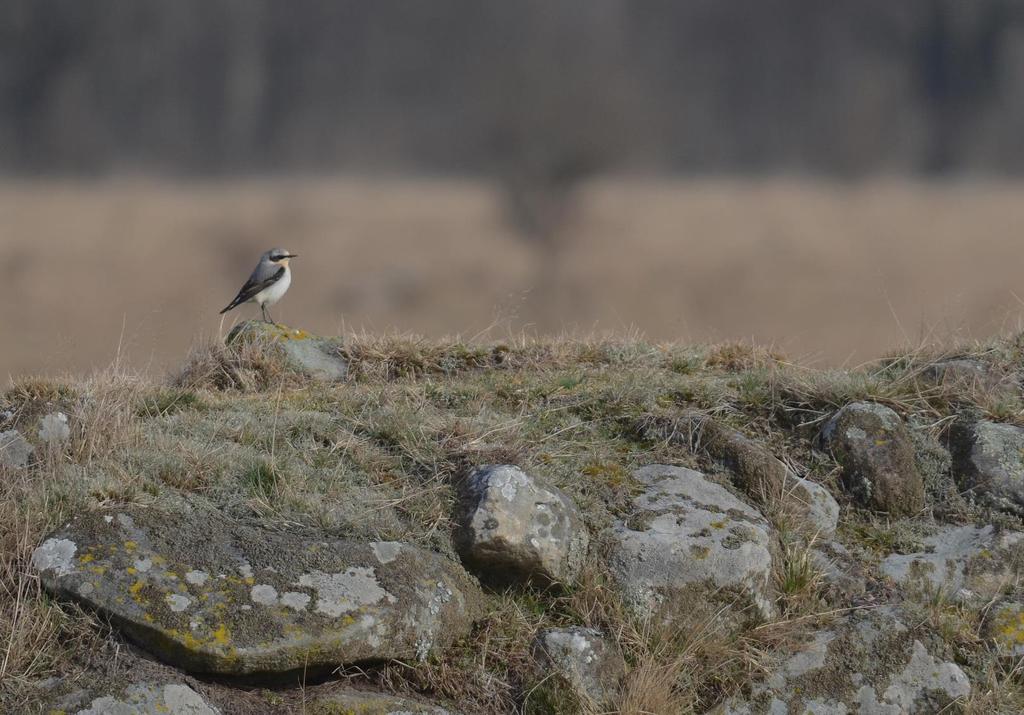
[(268, 282)]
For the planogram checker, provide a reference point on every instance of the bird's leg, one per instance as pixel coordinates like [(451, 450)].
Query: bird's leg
[(263, 307)]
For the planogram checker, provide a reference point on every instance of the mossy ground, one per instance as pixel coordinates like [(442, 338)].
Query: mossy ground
[(378, 457)]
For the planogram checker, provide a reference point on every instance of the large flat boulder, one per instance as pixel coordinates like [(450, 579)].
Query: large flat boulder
[(690, 540), (873, 447), (210, 595), (513, 528)]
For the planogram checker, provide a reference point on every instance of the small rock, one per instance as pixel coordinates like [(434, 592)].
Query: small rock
[(365, 703), (310, 355), (964, 563), (869, 663), (811, 507), (691, 539), (210, 595), (843, 573), (512, 528), (967, 373), (989, 460), (1005, 627), (589, 663), (15, 451), (54, 430), (139, 699), (872, 445)]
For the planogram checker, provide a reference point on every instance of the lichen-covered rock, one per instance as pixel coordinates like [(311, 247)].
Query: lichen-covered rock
[(310, 355), (591, 665), (963, 563), (811, 507), (690, 540), (1005, 628), (970, 374), (806, 506), (137, 699), (15, 451), (872, 445), (989, 461), (512, 528), (869, 663), (844, 574), (210, 595), (356, 702), (54, 429), (761, 475)]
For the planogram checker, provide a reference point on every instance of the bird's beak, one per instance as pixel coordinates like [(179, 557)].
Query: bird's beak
[(292, 255)]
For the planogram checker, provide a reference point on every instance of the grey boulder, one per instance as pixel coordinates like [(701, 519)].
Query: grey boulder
[(690, 542), (989, 460), (512, 528), (15, 450), (144, 698), (963, 563), (869, 663), (872, 445), (591, 664), (1005, 628), (210, 595), (304, 353)]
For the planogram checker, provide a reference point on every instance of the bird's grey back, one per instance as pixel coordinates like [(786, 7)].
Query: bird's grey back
[(265, 268)]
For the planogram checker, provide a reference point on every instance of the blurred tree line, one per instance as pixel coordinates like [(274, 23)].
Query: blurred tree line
[(537, 92)]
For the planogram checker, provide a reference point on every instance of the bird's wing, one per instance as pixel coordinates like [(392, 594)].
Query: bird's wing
[(261, 279)]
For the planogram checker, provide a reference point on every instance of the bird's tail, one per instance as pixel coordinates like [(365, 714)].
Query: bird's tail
[(232, 304)]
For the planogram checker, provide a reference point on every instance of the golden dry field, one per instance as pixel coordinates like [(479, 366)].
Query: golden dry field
[(830, 273)]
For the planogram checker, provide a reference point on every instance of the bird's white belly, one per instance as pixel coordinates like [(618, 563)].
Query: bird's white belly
[(269, 296)]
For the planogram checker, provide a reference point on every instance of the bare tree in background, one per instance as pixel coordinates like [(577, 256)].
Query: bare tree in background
[(561, 119)]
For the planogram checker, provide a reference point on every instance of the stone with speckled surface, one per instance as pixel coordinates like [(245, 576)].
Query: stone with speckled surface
[(210, 595), (692, 539), (310, 355), (988, 460), (869, 663), (873, 447), (513, 528)]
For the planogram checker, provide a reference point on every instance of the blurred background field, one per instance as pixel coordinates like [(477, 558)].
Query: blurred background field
[(836, 179)]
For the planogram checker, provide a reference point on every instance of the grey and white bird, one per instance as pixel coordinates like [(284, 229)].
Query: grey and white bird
[(268, 282)]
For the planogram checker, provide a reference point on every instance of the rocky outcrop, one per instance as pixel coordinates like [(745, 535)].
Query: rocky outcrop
[(145, 698), (690, 540), (869, 663), (309, 355), (873, 447), (514, 529), (15, 451), (210, 595), (989, 461), (588, 662), (962, 563)]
